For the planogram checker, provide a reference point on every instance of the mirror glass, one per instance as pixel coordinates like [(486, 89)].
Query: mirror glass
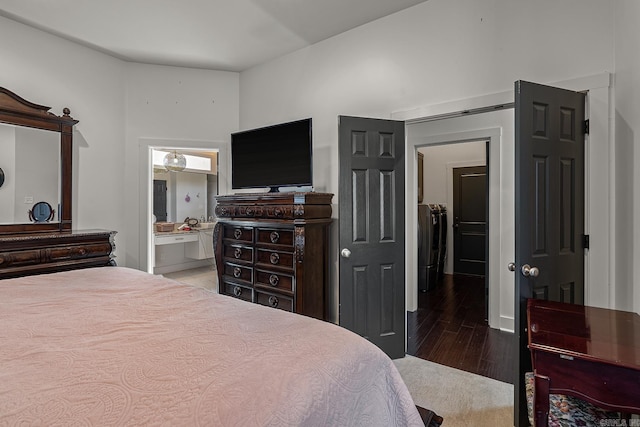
[(31, 163), (181, 195)]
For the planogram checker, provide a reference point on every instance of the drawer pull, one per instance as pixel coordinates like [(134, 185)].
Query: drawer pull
[(237, 233), (274, 258), (237, 291), (274, 237), (273, 280), (82, 251), (237, 253), (237, 272), (273, 301)]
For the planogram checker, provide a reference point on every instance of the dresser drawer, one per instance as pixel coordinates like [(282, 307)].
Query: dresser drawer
[(238, 253), (275, 300), (37, 253), (8, 259), (274, 280), (79, 252), (279, 259), (55, 254), (271, 236), (238, 291), (238, 272), (237, 234)]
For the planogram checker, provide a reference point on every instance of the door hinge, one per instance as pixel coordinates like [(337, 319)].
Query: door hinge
[(585, 241), (585, 127)]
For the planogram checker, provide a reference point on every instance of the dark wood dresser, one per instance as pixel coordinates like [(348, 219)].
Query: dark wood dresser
[(37, 253), (44, 241), (272, 249)]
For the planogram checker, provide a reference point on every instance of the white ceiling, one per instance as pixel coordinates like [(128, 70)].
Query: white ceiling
[(230, 35)]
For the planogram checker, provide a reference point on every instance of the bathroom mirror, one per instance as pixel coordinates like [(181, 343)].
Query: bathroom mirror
[(36, 148)]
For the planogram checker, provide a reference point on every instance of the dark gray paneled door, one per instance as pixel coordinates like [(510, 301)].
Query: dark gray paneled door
[(469, 220), (549, 209), (160, 199), (371, 209)]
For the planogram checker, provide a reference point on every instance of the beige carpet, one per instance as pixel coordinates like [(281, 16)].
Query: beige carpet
[(461, 398)]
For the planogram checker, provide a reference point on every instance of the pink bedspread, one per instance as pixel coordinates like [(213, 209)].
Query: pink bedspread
[(116, 346)]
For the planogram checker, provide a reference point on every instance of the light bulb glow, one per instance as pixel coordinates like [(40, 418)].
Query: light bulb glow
[(174, 162)]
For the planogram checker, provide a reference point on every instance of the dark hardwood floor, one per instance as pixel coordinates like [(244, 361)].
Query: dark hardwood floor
[(449, 328)]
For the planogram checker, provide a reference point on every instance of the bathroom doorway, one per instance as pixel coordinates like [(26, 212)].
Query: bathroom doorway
[(183, 212)]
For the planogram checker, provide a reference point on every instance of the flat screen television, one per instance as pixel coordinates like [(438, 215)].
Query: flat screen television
[(273, 156)]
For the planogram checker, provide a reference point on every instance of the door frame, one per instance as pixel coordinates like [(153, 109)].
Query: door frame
[(146, 248), (493, 136), (599, 223)]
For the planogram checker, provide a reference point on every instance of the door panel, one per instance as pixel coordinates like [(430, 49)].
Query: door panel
[(371, 209), (470, 220), (549, 208), (160, 199)]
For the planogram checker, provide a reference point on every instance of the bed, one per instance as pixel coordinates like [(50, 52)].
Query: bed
[(116, 346)]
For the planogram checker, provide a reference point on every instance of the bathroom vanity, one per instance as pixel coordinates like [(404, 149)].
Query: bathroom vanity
[(181, 250)]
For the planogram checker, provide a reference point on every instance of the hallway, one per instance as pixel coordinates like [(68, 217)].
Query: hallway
[(449, 328)]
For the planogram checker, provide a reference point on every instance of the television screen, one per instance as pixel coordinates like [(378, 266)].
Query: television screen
[(274, 156)]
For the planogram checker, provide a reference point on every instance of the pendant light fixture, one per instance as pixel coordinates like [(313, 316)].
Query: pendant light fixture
[(174, 162)]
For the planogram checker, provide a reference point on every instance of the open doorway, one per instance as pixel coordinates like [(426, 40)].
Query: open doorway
[(450, 326), (183, 215), (485, 336), (451, 222)]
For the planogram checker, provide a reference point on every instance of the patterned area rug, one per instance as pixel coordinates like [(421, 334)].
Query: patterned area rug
[(461, 398)]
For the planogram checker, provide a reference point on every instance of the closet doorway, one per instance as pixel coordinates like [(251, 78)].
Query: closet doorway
[(451, 179), (451, 324)]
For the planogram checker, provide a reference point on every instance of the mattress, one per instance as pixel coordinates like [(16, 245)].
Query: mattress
[(116, 346)]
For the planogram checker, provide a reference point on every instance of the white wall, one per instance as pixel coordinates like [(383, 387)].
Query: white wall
[(436, 161), (51, 71), (118, 105), (171, 107), (191, 195), (627, 154), (437, 51)]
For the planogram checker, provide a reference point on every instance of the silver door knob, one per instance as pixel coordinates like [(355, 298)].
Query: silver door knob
[(511, 266), (527, 271), (345, 253)]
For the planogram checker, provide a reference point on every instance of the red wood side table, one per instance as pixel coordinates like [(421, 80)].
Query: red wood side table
[(587, 352)]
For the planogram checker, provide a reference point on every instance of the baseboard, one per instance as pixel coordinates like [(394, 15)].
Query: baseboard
[(506, 324)]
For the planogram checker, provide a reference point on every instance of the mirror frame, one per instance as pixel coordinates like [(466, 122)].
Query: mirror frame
[(15, 110)]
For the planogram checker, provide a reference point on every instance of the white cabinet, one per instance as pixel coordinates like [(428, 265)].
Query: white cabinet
[(172, 238), (203, 247)]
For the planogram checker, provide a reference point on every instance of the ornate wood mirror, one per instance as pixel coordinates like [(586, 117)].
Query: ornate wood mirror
[(38, 145)]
